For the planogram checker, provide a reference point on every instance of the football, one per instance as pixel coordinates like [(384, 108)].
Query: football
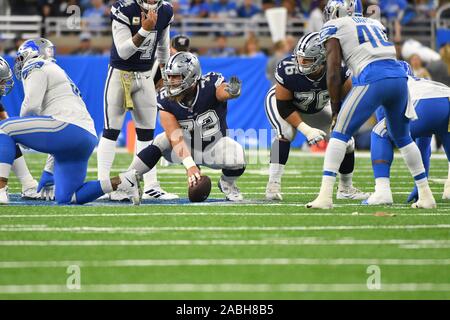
[(200, 191)]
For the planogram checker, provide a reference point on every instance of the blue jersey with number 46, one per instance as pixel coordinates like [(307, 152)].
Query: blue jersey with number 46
[(309, 96), (128, 12), (364, 41)]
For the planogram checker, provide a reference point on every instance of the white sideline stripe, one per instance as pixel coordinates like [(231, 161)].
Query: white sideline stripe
[(208, 214), (221, 262), (402, 243), (88, 229), (224, 287)]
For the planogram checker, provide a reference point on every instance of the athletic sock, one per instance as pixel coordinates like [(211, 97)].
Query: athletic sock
[(20, 169), (333, 158), (150, 178), (106, 153), (276, 171)]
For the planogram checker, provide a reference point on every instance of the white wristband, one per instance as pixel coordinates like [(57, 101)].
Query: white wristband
[(303, 128), (144, 32), (188, 163)]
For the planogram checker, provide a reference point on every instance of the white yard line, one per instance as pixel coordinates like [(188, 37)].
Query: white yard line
[(225, 287), (143, 230), (402, 243), (206, 214), (221, 262)]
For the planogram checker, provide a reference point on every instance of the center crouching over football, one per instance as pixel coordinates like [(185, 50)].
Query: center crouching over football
[(163, 170)]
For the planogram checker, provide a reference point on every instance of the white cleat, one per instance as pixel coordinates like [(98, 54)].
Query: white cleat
[(4, 197), (231, 191), (320, 203), (273, 191), (119, 195), (379, 198), (155, 192), (351, 193), (429, 203), (130, 186), (29, 192), (446, 194)]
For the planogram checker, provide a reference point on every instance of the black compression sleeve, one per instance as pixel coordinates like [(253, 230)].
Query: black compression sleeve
[(285, 108)]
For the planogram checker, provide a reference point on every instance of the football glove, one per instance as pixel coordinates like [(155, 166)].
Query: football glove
[(234, 87), (312, 135), (414, 195), (46, 186)]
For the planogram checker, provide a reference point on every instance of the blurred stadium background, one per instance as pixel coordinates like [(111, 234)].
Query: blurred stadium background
[(232, 37)]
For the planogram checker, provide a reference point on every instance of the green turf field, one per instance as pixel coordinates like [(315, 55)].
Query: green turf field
[(220, 250)]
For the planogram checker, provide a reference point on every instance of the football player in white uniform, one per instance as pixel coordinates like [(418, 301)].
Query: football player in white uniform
[(141, 38), (54, 120), (378, 79), (29, 184)]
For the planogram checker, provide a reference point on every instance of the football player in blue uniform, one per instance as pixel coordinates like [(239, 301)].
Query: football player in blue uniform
[(300, 101), (432, 102), (378, 79), (141, 38), (54, 120), (193, 110), (19, 167)]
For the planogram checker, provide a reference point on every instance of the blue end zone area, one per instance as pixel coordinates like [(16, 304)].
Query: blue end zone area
[(16, 200)]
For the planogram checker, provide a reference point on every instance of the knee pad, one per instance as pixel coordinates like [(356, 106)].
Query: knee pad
[(145, 134), (111, 134)]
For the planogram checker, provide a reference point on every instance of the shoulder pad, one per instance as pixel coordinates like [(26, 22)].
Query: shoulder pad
[(285, 68), (31, 66), (167, 8), (119, 11), (214, 77), (327, 32)]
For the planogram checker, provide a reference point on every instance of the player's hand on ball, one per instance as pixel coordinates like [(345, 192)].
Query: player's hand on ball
[(313, 135), (148, 21), (234, 87), (194, 175), (46, 186)]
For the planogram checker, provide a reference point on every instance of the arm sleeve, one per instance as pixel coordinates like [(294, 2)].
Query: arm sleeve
[(123, 40), (35, 86), (285, 108), (163, 50)]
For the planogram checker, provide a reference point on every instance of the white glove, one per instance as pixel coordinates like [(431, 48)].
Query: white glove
[(48, 193), (313, 135)]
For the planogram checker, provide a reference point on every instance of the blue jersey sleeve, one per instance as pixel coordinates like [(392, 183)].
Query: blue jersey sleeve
[(285, 68), (162, 102), (120, 12)]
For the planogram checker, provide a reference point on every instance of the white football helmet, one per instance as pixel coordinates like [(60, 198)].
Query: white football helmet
[(341, 8), (31, 49)]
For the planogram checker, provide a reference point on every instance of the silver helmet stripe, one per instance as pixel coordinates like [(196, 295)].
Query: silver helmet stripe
[(306, 40)]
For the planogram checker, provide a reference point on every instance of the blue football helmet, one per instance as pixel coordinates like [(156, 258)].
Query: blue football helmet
[(32, 49), (341, 8), (6, 78)]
